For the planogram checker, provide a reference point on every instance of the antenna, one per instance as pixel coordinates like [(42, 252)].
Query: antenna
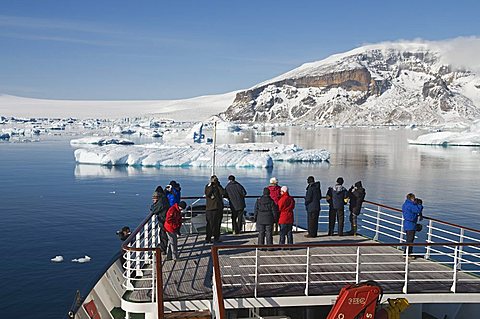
[(214, 146)]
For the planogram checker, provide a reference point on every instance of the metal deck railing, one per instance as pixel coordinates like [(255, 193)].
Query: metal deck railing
[(315, 269)]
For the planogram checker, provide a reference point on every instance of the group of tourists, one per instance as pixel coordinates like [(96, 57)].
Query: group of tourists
[(276, 207), (214, 194), (273, 212), (166, 204)]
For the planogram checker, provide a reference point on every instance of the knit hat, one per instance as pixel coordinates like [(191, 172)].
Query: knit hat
[(182, 204), (155, 195), (340, 181), (284, 189), (273, 180)]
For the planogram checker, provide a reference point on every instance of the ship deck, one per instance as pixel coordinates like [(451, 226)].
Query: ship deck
[(281, 272)]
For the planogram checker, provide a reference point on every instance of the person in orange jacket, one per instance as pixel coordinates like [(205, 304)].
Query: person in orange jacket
[(172, 225), (286, 204)]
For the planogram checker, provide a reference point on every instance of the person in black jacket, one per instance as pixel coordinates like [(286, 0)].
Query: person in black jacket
[(356, 194), (159, 207), (266, 213), (236, 195), (336, 198), (214, 194), (312, 205)]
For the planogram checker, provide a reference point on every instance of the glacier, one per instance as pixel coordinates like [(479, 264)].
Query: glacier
[(255, 155)]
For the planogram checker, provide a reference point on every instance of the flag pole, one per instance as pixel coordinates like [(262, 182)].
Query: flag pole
[(214, 146)]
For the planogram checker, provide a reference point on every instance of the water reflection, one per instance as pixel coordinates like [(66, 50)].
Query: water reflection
[(381, 158)]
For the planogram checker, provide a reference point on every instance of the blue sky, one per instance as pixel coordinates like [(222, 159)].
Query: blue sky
[(118, 49)]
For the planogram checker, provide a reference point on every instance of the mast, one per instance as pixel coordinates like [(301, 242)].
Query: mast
[(214, 146)]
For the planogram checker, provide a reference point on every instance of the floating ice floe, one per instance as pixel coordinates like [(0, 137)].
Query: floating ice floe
[(470, 137), (82, 260), (101, 141), (57, 259), (198, 155)]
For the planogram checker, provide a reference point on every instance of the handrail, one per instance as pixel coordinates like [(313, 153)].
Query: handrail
[(141, 245), (424, 217), (359, 244), (235, 278)]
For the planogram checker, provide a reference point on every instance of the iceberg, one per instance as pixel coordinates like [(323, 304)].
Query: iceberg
[(469, 137), (256, 155), (82, 260), (57, 259), (101, 141)]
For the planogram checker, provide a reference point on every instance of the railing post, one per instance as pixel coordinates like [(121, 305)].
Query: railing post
[(455, 268), (154, 232), (137, 255), (191, 219), (146, 254), (256, 273), (405, 286), (128, 267), (377, 227), (429, 238), (400, 239), (357, 274), (217, 283), (154, 265), (159, 276), (460, 248), (295, 219), (307, 279)]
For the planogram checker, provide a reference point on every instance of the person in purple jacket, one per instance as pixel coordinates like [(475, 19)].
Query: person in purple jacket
[(411, 211)]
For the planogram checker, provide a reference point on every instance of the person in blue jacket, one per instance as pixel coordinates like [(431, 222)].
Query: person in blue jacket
[(173, 192), (411, 211)]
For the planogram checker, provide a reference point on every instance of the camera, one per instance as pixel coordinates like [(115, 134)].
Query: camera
[(123, 233)]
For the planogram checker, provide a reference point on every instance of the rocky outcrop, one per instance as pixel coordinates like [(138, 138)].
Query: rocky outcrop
[(373, 86)]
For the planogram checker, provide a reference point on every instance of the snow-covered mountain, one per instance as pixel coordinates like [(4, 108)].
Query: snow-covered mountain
[(390, 83)]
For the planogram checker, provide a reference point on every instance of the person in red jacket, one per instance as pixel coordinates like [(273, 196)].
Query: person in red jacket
[(275, 195), (172, 225), (286, 204)]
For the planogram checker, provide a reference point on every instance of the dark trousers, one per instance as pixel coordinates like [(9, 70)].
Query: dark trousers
[(265, 231), (353, 221), (338, 214), (237, 219), (286, 230), (313, 223), (410, 238), (214, 221), (162, 235)]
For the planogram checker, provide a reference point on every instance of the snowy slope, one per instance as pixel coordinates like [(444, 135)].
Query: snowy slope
[(194, 109), (388, 83)]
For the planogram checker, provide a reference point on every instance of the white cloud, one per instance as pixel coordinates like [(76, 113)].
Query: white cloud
[(461, 52)]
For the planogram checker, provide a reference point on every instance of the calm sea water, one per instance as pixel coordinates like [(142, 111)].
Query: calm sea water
[(50, 206)]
